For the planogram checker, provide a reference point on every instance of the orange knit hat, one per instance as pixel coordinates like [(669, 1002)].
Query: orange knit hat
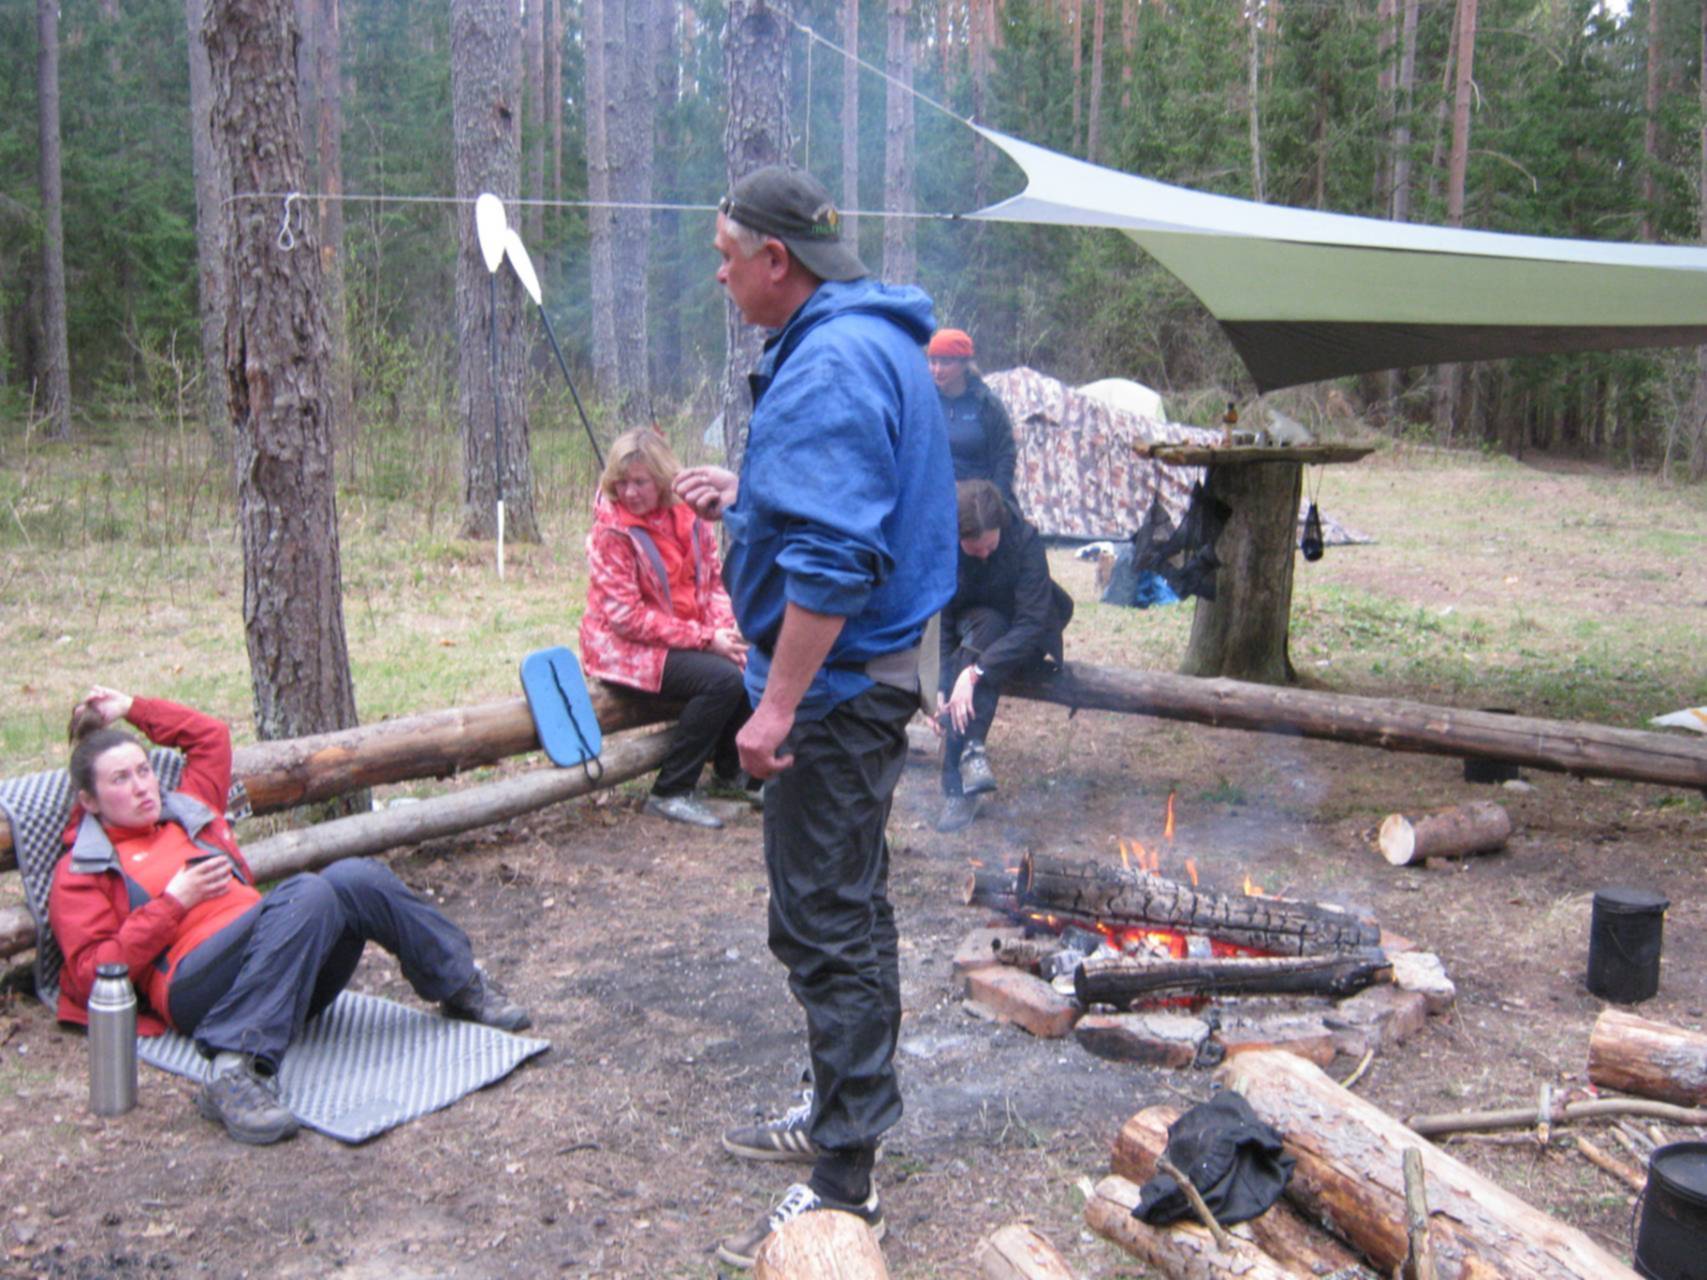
[(955, 344)]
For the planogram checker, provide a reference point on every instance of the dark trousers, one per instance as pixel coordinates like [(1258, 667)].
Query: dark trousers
[(716, 706), (830, 918), (252, 986), (975, 630)]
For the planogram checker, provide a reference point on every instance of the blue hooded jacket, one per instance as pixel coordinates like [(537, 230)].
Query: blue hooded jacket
[(846, 503)]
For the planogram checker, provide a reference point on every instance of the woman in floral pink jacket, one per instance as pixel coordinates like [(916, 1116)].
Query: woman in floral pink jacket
[(658, 619)]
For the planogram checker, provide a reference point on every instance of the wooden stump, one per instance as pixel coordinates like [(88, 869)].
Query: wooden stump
[(1242, 632), (1020, 1252), (1650, 1059), (1350, 1170), (824, 1245), (1454, 832)]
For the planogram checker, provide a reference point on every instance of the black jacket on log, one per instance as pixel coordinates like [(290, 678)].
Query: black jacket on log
[(1014, 581)]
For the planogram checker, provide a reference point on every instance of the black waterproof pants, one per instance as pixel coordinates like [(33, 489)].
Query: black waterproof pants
[(252, 986), (975, 630), (715, 706), (830, 918)]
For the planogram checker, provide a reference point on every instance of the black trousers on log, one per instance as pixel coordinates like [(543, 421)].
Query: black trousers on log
[(975, 630), (715, 706)]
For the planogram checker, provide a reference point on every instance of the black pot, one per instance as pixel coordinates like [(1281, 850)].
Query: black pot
[(1671, 1239), (1624, 936)]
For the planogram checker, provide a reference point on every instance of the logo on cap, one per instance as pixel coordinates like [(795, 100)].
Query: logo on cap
[(826, 221)]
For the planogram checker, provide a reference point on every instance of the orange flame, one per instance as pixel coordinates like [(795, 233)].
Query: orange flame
[(1168, 826), (1253, 889), (1191, 870)]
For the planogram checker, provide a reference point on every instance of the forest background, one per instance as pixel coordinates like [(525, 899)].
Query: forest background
[(1584, 122)]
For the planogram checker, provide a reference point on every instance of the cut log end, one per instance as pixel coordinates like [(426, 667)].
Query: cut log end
[(827, 1245)]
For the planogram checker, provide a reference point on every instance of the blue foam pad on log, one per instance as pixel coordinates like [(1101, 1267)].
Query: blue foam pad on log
[(562, 710)]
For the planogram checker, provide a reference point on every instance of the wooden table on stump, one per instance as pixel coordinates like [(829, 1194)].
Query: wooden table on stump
[(1242, 633)]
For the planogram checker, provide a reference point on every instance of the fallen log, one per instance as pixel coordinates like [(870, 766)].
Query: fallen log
[(1349, 1171), (1119, 896), (827, 1245), (1651, 1059), (1617, 1168), (437, 744), (1121, 980), (1184, 1251), (1288, 1238), (306, 848), (1020, 1252), (1441, 1123), (1392, 724), (1454, 832), (989, 888)]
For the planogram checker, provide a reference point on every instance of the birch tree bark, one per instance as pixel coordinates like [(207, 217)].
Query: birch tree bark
[(53, 372), (755, 133), (210, 241), (486, 87), (900, 259), (278, 372)]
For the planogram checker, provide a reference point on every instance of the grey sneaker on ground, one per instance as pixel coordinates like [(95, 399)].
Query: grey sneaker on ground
[(975, 775), (484, 1001), (783, 1139), (683, 808), (247, 1104), (957, 813), (739, 1250)]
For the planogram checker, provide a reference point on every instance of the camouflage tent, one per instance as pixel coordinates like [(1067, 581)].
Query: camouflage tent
[(1078, 474)]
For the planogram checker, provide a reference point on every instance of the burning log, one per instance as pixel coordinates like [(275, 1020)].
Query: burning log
[(1020, 1252), (995, 889), (827, 1245), (1349, 1170), (1185, 1250), (1651, 1059), (1289, 1239), (1120, 980), (1119, 897), (1454, 832)]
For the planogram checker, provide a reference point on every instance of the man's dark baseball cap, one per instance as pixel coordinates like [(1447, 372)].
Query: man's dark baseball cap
[(792, 205)]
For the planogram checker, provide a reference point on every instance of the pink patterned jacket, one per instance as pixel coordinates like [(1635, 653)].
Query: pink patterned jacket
[(629, 627)]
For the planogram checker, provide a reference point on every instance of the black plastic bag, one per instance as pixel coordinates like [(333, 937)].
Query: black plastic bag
[(1311, 543)]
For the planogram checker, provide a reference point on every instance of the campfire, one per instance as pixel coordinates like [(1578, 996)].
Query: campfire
[(1147, 968)]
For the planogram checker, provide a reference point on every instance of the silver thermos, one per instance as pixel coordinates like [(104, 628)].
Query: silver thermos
[(112, 1042)]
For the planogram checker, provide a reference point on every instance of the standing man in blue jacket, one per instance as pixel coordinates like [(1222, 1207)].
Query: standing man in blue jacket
[(842, 545)]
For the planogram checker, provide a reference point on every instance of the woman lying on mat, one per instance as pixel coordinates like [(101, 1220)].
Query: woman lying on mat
[(156, 882), (658, 620)]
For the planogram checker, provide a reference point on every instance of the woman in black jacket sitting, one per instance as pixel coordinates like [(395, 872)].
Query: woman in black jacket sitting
[(1006, 617)]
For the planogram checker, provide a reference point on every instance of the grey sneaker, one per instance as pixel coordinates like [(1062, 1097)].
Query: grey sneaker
[(484, 1001), (683, 808), (957, 813), (975, 775), (783, 1139), (739, 1250), (247, 1104)]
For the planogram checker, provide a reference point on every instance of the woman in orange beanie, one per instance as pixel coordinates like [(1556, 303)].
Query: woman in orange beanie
[(980, 434)]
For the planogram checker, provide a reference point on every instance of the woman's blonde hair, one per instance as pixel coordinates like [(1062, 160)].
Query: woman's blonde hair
[(652, 451)]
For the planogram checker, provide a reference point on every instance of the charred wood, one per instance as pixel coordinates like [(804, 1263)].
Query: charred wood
[(1120, 980), (995, 889), (1121, 897)]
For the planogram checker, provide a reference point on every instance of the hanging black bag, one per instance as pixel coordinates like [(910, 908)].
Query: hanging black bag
[(1311, 543)]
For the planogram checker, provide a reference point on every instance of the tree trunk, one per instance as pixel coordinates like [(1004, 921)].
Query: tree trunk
[(533, 76), (1698, 446), (53, 368), (210, 241), (1451, 376), (851, 72), (1129, 50), (1651, 122), (329, 144), (631, 146), (1242, 632), (1074, 15), (755, 133), (1093, 129), (1649, 1059), (1291, 1240), (554, 101), (1350, 1170), (1455, 832), (1253, 86), (1385, 18), (1407, 104), (486, 113), (278, 370), (900, 263), (601, 84)]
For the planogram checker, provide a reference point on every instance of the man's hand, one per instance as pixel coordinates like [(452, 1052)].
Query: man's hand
[(958, 708), (726, 642), (710, 491), (760, 739)]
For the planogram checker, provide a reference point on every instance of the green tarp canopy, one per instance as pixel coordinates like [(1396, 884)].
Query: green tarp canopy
[(1306, 295)]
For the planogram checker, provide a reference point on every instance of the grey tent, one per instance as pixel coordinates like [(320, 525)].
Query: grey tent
[(1306, 295)]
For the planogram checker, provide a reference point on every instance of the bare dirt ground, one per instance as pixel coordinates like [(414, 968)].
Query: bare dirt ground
[(640, 948)]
